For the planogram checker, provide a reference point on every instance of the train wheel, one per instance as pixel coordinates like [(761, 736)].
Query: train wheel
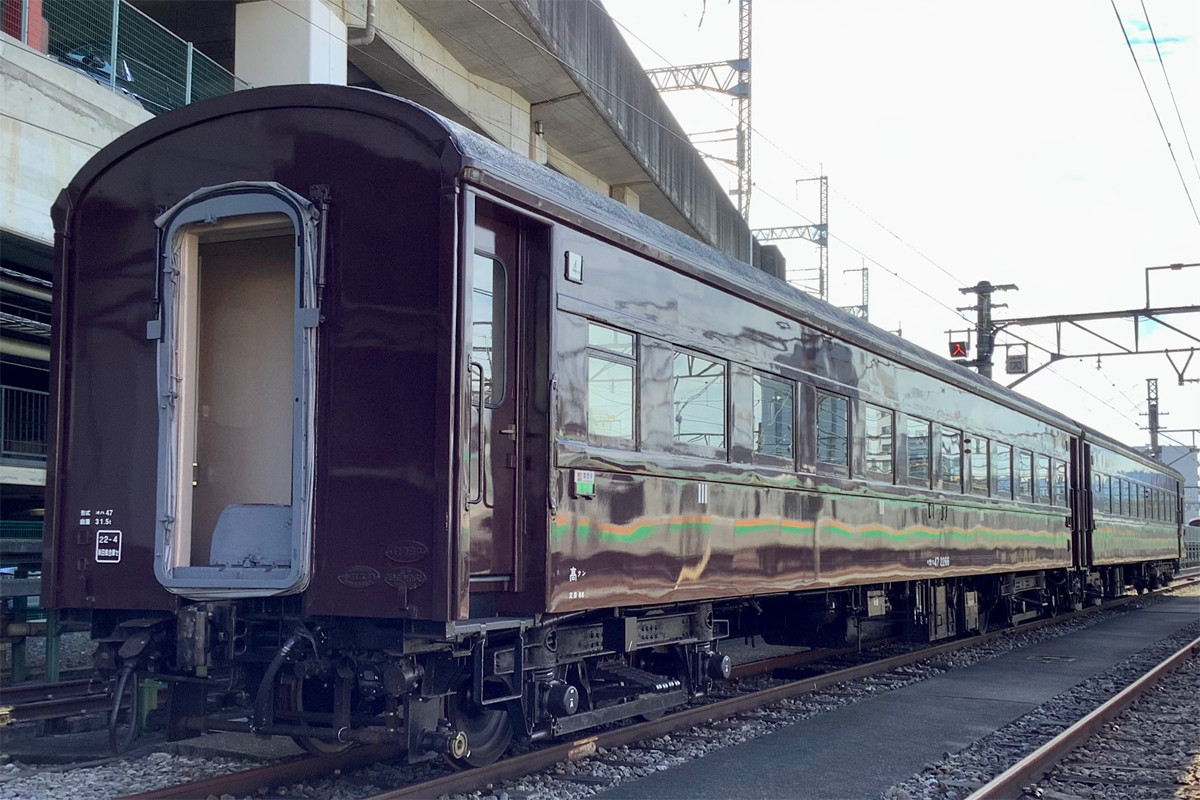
[(488, 730), (311, 695), (123, 717)]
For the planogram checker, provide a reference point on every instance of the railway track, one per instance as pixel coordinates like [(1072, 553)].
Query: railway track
[(1047, 761), (546, 756), (42, 701)]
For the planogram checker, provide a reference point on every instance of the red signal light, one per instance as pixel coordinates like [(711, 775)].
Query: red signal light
[(960, 349)]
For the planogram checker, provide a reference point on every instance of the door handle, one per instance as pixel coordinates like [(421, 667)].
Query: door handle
[(510, 432)]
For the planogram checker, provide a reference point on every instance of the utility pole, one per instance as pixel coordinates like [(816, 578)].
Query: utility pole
[(862, 310), (745, 186), (985, 331), (1152, 413), (823, 274)]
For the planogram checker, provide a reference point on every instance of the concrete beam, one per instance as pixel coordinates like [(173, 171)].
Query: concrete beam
[(289, 41), (55, 119), (23, 476)]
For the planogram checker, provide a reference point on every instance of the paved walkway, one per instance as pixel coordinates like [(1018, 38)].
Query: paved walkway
[(862, 749)]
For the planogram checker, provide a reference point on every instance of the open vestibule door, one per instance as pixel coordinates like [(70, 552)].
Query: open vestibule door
[(493, 480), (506, 292)]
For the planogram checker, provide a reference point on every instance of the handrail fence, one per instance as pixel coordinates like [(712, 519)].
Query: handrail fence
[(121, 47)]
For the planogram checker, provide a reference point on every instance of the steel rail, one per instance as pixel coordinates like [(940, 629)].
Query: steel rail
[(43, 701), (18, 693), (1010, 784), (281, 773)]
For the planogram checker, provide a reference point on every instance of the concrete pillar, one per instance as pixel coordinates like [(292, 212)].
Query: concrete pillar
[(626, 195), (289, 41), (537, 143)]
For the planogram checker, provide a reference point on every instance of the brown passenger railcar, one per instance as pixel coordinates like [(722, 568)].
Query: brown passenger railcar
[(404, 438)]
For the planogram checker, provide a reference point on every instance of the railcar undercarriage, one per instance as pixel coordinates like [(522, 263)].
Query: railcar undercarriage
[(466, 690), (332, 683)]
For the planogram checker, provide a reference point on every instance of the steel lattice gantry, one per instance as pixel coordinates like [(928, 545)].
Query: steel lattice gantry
[(727, 77)]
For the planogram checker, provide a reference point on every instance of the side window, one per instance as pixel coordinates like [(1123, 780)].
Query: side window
[(1120, 496), (1041, 482), (774, 416), (833, 430), (1097, 495), (1060, 483), (612, 370), (1024, 470), (488, 324), (979, 466), (1002, 482), (878, 425), (951, 472), (917, 449), (698, 401)]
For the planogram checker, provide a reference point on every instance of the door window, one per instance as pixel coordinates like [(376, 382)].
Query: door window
[(489, 299)]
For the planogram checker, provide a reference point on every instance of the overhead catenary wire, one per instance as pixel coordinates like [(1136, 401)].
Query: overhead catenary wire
[(1170, 89), (1157, 116)]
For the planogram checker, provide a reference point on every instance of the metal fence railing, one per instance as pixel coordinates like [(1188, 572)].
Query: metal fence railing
[(23, 412), (1191, 552), (118, 46), (13, 19)]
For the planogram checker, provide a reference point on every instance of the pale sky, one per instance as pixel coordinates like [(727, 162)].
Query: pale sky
[(1009, 142)]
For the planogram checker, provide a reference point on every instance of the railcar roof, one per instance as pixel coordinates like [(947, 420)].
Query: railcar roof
[(638, 231), (1101, 438)]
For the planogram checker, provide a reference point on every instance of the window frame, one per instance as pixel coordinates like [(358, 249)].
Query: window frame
[(979, 446), (909, 479), (1058, 468), (997, 474), (702, 450), (1023, 457), (832, 467), (888, 416), (758, 456), (945, 435), (600, 353), (1043, 488)]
